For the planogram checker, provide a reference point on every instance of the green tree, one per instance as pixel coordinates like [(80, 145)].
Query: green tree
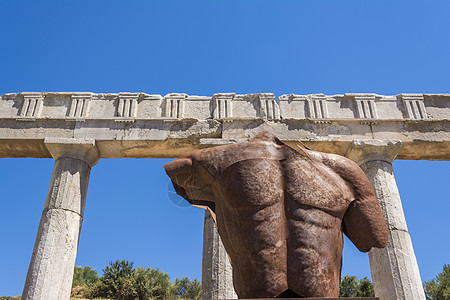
[(185, 288), (120, 281), (83, 281), (439, 288), (351, 287), (152, 284), (84, 276), (116, 282), (365, 288), (348, 286)]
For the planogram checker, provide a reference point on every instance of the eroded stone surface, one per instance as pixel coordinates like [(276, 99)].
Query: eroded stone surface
[(394, 269), (395, 272), (141, 125), (51, 268), (217, 273)]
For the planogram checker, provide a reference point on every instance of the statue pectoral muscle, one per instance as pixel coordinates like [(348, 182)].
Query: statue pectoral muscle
[(281, 213)]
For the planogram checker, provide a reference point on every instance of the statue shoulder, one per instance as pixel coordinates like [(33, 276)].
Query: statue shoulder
[(346, 169), (338, 163)]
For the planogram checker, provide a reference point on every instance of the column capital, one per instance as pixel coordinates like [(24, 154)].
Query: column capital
[(363, 151), (83, 149)]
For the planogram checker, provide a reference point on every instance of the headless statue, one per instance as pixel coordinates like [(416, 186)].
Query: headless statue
[(281, 213)]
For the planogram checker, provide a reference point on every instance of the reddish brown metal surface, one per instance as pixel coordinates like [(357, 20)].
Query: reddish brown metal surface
[(281, 213)]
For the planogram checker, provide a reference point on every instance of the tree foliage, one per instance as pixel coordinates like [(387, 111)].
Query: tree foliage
[(116, 281), (151, 284), (187, 289), (121, 281), (84, 276), (351, 287), (365, 288), (348, 286), (439, 288)]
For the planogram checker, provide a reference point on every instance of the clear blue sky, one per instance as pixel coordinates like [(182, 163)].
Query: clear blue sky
[(202, 48)]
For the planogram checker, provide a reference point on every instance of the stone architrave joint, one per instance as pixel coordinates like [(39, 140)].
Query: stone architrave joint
[(363, 151), (82, 149)]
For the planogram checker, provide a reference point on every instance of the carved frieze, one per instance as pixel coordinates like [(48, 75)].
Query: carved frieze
[(174, 106), (317, 106), (32, 106), (226, 107), (268, 107), (414, 106), (223, 105), (79, 107), (365, 106), (128, 105)]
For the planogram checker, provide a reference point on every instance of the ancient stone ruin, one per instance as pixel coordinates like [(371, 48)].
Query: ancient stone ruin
[(78, 129)]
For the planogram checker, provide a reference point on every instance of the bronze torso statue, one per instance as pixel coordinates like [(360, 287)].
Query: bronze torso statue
[(281, 213)]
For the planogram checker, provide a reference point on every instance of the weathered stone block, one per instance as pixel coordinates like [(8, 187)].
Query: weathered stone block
[(51, 268), (217, 273)]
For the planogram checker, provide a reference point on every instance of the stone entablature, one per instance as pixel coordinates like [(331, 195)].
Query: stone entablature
[(140, 125), (225, 106)]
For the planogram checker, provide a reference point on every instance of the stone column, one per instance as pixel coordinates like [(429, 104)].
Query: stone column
[(217, 273), (394, 269), (51, 268)]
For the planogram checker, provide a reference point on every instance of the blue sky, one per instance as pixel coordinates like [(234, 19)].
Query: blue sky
[(202, 48)]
